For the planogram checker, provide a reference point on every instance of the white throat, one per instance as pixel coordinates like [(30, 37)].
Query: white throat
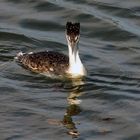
[(76, 67)]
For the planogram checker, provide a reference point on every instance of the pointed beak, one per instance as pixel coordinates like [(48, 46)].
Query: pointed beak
[(74, 49), (72, 44)]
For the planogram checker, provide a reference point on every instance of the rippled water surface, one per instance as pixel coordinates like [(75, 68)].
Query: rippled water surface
[(105, 105)]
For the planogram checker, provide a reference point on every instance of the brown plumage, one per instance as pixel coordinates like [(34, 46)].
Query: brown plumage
[(45, 62)]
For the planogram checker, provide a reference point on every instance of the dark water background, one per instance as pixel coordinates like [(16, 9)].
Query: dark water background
[(105, 105)]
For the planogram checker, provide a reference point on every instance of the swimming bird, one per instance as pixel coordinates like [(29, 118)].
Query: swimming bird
[(55, 63)]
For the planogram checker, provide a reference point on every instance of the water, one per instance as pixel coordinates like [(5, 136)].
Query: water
[(103, 106)]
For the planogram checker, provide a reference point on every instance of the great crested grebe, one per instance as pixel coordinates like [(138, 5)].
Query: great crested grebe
[(51, 62)]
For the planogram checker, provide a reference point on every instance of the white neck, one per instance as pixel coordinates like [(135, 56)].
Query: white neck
[(76, 67)]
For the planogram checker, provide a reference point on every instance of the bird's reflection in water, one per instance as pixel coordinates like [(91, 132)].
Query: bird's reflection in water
[(73, 108)]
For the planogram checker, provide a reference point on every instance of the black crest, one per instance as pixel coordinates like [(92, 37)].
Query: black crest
[(73, 28)]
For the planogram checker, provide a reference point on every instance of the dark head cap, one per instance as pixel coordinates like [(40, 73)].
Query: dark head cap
[(73, 28)]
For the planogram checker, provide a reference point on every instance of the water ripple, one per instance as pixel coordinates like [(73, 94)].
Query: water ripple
[(103, 105)]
